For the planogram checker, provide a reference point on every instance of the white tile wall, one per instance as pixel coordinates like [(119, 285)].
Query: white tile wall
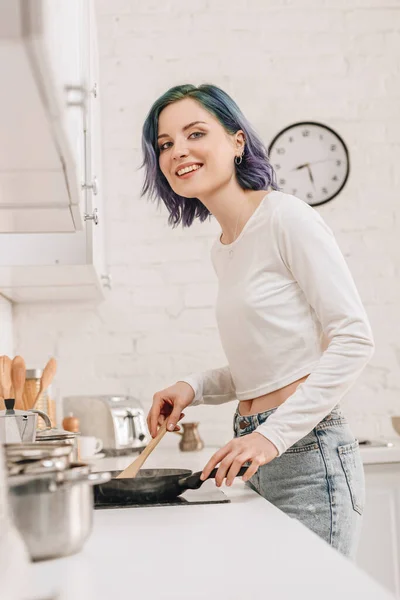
[(282, 61)]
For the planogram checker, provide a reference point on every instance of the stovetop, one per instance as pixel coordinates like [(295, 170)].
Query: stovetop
[(190, 497)]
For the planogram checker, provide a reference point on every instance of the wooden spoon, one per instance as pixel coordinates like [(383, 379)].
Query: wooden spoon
[(132, 469), (2, 405), (5, 376), (47, 377), (18, 373)]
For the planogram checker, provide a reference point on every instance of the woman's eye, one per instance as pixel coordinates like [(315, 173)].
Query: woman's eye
[(196, 133), (161, 148)]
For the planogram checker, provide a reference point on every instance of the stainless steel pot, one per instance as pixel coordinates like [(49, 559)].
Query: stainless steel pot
[(38, 457), (54, 511), (37, 467), (60, 435), (40, 450)]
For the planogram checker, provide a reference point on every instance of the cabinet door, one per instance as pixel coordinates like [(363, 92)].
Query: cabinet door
[(379, 550), (37, 267), (94, 155), (58, 46), (34, 194)]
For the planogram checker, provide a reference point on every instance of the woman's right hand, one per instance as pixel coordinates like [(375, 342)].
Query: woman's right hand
[(168, 404)]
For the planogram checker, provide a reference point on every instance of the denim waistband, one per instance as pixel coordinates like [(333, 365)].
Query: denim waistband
[(253, 421)]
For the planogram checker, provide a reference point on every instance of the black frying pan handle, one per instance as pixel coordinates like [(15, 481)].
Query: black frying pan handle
[(193, 481)]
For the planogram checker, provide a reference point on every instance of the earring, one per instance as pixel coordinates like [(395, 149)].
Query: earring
[(240, 159)]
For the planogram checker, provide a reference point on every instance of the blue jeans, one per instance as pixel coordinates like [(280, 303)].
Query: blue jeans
[(319, 480)]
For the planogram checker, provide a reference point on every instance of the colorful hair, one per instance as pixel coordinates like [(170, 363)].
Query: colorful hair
[(255, 172)]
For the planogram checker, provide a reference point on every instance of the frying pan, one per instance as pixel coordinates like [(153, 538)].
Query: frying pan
[(150, 485)]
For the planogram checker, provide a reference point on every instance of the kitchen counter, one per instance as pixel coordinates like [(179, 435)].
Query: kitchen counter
[(247, 549), (381, 455)]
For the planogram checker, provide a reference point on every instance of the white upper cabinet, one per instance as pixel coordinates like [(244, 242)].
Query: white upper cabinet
[(51, 188), (44, 55), (94, 184)]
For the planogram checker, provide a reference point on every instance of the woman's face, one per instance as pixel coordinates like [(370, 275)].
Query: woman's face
[(205, 144)]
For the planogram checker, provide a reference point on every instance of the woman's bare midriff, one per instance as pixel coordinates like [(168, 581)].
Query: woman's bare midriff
[(268, 401)]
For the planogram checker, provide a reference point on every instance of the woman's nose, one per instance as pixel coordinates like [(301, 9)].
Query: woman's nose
[(179, 151)]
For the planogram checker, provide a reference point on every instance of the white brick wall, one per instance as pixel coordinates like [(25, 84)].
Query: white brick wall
[(282, 61), (6, 328)]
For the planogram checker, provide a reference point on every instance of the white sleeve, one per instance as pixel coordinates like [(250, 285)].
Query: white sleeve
[(212, 387), (311, 254)]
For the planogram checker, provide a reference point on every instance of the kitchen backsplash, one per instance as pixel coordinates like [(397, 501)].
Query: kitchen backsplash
[(282, 64)]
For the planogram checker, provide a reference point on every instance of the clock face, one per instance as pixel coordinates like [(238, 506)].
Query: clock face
[(311, 161)]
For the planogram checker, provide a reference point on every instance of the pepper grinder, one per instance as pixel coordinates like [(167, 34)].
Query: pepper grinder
[(71, 423), (191, 440)]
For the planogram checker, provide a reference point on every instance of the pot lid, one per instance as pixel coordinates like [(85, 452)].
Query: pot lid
[(37, 467), (54, 434), (36, 451), (50, 481)]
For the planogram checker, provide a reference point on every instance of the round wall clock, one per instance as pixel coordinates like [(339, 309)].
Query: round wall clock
[(311, 161)]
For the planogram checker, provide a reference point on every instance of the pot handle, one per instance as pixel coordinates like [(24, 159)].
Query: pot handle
[(44, 416), (98, 478), (91, 479), (193, 482), (55, 482)]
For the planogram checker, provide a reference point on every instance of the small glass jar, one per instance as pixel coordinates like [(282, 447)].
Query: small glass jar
[(45, 402)]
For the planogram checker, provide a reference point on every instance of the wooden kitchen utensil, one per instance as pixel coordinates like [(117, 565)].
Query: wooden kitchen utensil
[(47, 377), (132, 470), (2, 405), (5, 376), (18, 370)]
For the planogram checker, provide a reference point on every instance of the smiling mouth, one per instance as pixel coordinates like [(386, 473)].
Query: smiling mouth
[(190, 172)]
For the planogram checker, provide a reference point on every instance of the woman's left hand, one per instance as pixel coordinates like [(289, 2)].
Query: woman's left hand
[(253, 447)]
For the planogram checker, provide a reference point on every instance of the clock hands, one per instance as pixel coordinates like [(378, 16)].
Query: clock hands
[(313, 163), (307, 165), (311, 177), (300, 167)]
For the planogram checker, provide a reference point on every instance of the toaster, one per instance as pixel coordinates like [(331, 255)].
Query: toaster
[(118, 421)]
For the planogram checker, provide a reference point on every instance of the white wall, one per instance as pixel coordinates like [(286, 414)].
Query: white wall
[(283, 61), (6, 328)]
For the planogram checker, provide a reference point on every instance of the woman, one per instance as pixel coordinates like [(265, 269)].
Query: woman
[(283, 287)]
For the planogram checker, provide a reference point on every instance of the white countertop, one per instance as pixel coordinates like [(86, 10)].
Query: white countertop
[(381, 455), (245, 550)]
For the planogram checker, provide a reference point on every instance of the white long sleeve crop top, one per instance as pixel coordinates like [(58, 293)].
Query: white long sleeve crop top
[(282, 285)]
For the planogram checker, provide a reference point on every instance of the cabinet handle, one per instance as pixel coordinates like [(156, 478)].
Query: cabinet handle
[(93, 217), (74, 88), (92, 186), (78, 94)]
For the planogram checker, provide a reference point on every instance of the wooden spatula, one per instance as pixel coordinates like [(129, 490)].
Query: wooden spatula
[(47, 377), (18, 373), (5, 376), (132, 469), (2, 405)]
